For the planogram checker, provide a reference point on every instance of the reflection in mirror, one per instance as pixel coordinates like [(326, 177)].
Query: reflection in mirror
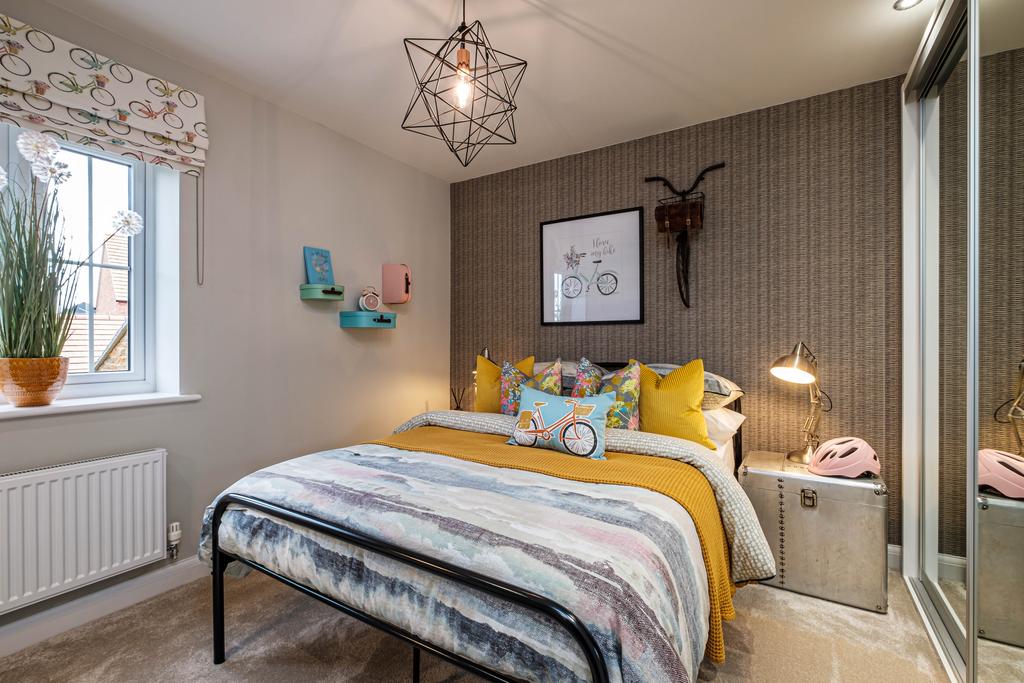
[(999, 590), (950, 569)]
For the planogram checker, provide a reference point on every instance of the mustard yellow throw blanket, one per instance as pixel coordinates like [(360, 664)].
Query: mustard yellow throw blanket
[(679, 481)]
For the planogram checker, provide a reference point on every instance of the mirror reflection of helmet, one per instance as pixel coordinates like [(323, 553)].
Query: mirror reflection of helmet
[(1002, 471)]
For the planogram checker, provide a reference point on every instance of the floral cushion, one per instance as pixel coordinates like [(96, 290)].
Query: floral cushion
[(488, 383), (588, 379), (513, 380), (624, 383), (571, 425)]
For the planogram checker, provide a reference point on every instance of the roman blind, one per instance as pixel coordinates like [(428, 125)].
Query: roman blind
[(80, 96)]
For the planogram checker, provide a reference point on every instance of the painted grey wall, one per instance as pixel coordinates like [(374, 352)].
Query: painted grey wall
[(278, 377), (801, 241)]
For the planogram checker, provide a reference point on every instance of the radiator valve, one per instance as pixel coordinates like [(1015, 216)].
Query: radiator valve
[(173, 539)]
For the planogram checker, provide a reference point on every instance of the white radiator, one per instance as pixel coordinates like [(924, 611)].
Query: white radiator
[(66, 526)]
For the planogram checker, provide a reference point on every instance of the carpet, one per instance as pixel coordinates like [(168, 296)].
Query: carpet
[(276, 634)]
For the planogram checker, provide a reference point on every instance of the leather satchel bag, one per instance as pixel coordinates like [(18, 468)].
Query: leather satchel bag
[(678, 216)]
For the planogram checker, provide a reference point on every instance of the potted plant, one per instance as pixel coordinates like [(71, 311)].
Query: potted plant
[(37, 281)]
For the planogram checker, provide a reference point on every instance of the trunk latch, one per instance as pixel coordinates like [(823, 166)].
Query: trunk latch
[(808, 498)]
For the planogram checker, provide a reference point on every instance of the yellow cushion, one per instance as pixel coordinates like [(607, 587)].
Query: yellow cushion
[(671, 405), (488, 383)]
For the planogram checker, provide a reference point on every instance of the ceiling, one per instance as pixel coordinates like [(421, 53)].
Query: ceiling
[(600, 71)]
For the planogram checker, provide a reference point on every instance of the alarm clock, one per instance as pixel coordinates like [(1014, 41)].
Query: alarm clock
[(369, 300)]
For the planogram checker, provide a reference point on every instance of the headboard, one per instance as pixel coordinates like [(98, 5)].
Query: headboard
[(737, 439)]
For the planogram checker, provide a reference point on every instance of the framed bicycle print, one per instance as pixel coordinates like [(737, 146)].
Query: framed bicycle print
[(592, 269)]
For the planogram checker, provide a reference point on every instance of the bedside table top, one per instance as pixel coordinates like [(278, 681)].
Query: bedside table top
[(775, 464)]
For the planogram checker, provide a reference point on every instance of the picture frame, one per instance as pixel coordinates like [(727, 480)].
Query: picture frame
[(318, 266), (592, 269)]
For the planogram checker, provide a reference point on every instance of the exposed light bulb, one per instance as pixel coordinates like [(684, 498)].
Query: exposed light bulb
[(463, 90), (463, 80)]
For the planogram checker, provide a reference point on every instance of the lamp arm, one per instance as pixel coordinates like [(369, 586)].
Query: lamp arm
[(1016, 412), (810, 429)]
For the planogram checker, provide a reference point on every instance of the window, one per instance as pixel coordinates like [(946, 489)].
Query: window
[(110, 348)]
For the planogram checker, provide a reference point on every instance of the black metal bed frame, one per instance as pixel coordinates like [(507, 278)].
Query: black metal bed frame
[(562, 616)]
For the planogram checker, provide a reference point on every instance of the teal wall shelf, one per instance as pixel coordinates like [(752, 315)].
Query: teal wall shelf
[(322, 292), (368, 320)]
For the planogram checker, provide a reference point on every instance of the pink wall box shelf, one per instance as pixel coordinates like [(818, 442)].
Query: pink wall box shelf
[(396, 281)]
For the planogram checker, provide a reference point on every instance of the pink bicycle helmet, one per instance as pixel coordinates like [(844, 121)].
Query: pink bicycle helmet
[(845, 456), (1002, 471)]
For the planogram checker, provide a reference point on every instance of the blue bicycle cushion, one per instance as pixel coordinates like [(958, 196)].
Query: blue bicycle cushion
[(585, 439)]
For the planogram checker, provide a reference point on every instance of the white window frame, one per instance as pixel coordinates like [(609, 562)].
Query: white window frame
[(141, 283)]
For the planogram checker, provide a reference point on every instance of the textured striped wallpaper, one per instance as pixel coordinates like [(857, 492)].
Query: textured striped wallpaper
[(801, 242)]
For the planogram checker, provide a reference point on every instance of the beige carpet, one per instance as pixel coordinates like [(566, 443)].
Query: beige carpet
[(276, 634)]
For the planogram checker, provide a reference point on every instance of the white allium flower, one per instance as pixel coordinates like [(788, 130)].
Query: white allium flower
[(127, 223), (37, 148), (55, 172), (3, 179)]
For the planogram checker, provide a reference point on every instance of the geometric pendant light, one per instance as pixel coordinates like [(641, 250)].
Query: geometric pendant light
[(465, 90)]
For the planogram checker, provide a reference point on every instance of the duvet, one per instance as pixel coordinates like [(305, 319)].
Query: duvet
[(626, 560)]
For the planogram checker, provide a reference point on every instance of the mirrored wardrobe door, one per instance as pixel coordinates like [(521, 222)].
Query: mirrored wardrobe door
[(944, 205), (950, 563), (999, 567)]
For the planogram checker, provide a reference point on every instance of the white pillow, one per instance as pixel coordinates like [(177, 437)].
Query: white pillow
[(723, 424)]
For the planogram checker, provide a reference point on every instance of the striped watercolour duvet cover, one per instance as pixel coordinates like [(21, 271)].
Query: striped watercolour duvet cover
[(626, 560)]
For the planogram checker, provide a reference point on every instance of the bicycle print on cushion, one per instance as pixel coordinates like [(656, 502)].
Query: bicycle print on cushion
[(571, 425), (623, 384), (513, 380)]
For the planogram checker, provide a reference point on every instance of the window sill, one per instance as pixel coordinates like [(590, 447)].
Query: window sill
[(83, 405)]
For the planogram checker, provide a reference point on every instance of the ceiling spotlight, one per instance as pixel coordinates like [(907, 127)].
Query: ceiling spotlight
[(905, 4)]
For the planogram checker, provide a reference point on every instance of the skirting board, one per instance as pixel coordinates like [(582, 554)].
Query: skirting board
[(951, 567), (38, 627)]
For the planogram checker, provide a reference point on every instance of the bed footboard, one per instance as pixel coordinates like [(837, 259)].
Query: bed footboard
[(528, 599)]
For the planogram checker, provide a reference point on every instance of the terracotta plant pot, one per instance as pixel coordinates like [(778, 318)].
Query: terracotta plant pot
[(32, 381)]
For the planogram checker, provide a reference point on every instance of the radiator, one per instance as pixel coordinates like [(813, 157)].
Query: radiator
[(70, 525)]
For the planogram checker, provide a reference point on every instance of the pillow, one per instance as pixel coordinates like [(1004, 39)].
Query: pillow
[(569, 371), (723, 424), (624, 384), (718, 391), (513, 380), (488, 383), (670, 405), (572, 425), (587, 381)]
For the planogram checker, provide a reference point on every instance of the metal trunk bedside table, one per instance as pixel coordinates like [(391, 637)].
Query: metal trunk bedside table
[(828, 534)]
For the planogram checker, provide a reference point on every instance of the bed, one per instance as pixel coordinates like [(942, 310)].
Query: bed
[(513, 563)]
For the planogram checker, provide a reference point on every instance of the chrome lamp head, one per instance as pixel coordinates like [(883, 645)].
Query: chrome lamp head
[(801, 367), (798, 367)]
